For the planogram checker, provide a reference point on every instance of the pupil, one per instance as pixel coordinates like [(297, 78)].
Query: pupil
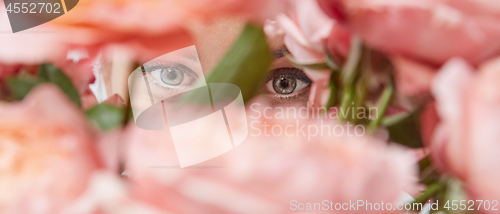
[(172, 76), (284, 85)]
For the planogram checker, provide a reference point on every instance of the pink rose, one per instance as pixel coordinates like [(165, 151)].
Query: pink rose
[(466, 140), (429, 30), (147, 29), (51, 162), (308, 30), (266, 173), (422, 35), (412, 78), (41, 44), (109, 193), (256, 11), (140, 29), (46, 152)]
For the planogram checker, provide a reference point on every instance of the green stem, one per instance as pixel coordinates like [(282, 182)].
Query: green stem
[(331, 62), (127, 112), (359, 100), (349, 69), (333, 90), (349, 76), (394, 119), (382, 107), (429, 192), (347, 96)]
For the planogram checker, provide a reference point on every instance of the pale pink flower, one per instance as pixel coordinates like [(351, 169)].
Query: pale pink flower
[(432, 31), (309, 31), (41, 44), (429, 119), (265, 174), (147, 29), (412, 78), (422, 35), (255, 11), (46, 152), (143, 29), (140, 29), (109, 193), (466, 140), (89, 100)]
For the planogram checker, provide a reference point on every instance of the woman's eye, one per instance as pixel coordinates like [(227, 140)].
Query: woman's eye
[(285, 85), (173, 75), (287, 80)]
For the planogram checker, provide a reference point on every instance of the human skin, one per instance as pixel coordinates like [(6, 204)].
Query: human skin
[(212, 41)]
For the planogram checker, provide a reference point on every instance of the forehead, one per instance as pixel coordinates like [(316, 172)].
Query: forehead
[(213, 39)]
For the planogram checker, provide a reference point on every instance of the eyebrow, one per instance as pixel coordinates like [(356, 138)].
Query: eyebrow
[(193, 57), (279, 52)]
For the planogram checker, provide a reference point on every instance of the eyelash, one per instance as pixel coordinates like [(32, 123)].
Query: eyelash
[(289, 70), (298, 95), (165, 86), (151, 67), (292, 72), (289, 98)]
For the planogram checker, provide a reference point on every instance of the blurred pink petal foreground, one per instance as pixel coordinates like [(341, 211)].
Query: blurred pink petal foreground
[(255, 11), (422, 35), (265, 173), (51, 162), (429, 30), (46, 152), (141, 29), (307, 30), (466, 142)]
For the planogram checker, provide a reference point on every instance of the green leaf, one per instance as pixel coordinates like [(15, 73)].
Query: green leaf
[(246, 64), (353, 60), (52, 74), (21, 86), (407, 131), (105, 116)]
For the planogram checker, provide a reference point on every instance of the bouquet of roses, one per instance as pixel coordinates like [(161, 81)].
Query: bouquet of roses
[(343, 106)]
